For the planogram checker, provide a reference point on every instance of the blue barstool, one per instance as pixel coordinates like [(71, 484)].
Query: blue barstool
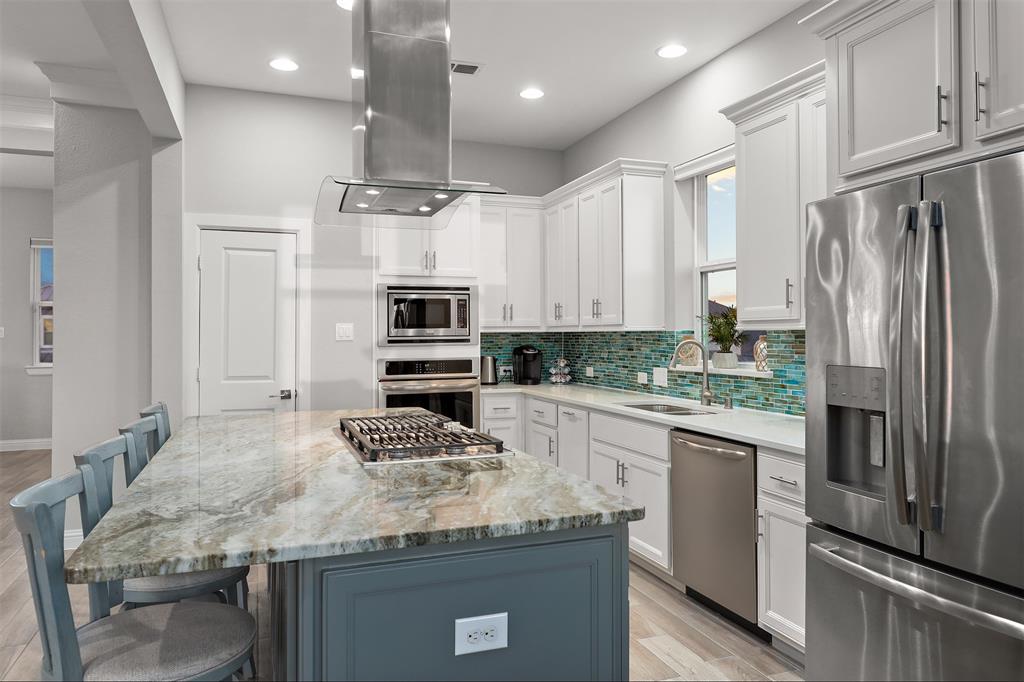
[(159, 410), (167, 641), (147, 437)]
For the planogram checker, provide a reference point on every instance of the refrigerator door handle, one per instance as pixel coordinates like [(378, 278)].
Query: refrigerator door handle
[(938, 452), (1004, 626), (906, 217)]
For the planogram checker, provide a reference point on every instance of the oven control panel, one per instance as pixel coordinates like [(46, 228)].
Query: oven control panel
[(462, 313), (428, 367)]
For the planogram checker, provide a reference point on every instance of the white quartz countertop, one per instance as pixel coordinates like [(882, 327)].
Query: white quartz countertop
[(765, 429)]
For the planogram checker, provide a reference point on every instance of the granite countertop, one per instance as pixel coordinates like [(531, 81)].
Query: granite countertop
[(766, 429), (237, 490)]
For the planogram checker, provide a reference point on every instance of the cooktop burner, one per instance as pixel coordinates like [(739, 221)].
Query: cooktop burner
[(416, 438)]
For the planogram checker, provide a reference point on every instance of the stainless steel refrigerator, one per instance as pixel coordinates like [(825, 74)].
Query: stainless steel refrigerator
[(915, 428)]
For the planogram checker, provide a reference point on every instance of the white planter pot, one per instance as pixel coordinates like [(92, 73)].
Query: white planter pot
[(722, 360)]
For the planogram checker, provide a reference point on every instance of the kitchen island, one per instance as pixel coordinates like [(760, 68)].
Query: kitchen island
[(371, 566)]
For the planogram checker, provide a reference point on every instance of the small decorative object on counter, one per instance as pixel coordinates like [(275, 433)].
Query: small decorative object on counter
[(560, 372), (722, 331), (688, 356), (761, 354)]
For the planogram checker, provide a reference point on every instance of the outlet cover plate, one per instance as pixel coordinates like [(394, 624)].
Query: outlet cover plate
[(661, 376), (590, 371), (641, 377), (503, 370), (481, 633), (344, 331)]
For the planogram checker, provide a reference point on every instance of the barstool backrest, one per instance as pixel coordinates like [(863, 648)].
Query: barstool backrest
[(146, 432), (164, 428), (101, 458), (39, 517)]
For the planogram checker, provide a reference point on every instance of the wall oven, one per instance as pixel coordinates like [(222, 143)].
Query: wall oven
[(425, 314), (446, 386)]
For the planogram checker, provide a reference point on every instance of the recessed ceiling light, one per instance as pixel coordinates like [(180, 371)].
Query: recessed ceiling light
[(671, 51), (440, 196), (345, 4), (373, 191), (283, 64), (532, 93), (361, 205), (356, 73), (424, 208)]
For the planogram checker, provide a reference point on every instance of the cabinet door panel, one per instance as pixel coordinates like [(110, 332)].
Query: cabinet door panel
[(493, 273), (920, 36), (453, 249), (647, 482), (542, 443), (505, 429), (998, 63), (403, 251), (768, 243), (524, 269), (573, 440), (590, 256), (609, 293), (781, 570), (604, 467), (569, 245), (554, 291)]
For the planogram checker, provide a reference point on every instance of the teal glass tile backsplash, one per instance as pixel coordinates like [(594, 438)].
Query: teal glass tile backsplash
[(617, 356)]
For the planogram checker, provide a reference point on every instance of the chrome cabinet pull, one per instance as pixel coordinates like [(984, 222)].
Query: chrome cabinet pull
[(758, 518), (600, 307), (502, 408), (568, 413), (624, 469), (560, 313), (906, 240), (539, 413), (789, 293), (511, 312), (618, 472), (504, 311), (938, 108), (978, 85), (426, 261), (787, 481), (964, 612), (434, 262)]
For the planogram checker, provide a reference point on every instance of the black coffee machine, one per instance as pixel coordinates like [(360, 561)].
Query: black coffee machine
[(527, 363)]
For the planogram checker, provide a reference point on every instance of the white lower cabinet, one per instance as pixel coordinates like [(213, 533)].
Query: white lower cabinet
[(781, 549), (501, 419), (641, 477), (573, 440), (507, 430), (542, 442)]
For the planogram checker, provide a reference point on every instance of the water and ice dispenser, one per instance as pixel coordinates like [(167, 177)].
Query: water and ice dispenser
[(856, 428)]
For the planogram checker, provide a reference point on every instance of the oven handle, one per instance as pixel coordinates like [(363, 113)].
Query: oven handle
[(421, 386)]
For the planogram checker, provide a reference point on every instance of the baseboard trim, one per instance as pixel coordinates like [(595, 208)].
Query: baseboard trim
[(25, 444), (72, 539)]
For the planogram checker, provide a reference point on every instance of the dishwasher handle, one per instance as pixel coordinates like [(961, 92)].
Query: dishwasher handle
[(725, 453)]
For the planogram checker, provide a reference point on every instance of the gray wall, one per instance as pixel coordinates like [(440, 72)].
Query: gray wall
[(25, 401), (252, 153), (682, 121), (101, 234)]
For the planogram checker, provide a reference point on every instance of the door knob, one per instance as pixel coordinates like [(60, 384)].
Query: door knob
[(285, 394)]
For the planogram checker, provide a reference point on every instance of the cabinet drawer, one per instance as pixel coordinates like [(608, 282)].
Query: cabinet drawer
[(641, 438), (542, 412), (781, 477), (501, 406)]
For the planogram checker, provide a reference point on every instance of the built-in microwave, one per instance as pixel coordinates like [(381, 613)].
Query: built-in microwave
[(425, 314)]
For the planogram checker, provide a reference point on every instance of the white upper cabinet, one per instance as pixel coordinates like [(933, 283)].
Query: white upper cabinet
[(780, 168), (898, 92), (510, 262), (998, 74), (601, 254), (450, 252), (561, 239)]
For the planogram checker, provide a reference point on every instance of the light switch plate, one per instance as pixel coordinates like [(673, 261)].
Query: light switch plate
[(481, 633), (1, 332), (344, 331), (661, 376), (641, 377), (590, 371)]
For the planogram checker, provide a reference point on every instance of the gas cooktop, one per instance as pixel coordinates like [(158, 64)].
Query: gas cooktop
[(416, 438)]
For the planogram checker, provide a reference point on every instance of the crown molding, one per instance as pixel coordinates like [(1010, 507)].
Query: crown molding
[(609, 170), (511, 201), (788, 89), (80, 85), (705, 164), (839, 15)]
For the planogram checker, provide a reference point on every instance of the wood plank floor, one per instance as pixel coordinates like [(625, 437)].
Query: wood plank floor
[(671, 636)]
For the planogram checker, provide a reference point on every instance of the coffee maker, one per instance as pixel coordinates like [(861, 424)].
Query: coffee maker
[(527, 364)]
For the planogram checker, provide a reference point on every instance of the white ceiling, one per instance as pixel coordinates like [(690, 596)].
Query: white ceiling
[(56, 31), (26, 171), (593, 58)]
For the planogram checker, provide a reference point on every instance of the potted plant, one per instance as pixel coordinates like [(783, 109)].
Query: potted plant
[(722, 331)]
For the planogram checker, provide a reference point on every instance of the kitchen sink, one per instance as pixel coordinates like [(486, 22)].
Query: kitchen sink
[(665, 408)]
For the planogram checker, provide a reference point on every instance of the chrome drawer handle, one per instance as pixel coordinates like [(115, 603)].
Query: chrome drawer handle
[(539, 413), (787, 481), (500, 408)]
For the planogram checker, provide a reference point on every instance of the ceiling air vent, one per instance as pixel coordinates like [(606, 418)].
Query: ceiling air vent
[(466, 68)]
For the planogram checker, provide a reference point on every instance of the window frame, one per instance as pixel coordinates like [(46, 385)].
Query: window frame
[(36, 246), (703, 266)]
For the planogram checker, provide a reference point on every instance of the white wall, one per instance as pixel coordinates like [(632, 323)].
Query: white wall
[(251, 153), (682, 121), (101, 234), (25, 401)]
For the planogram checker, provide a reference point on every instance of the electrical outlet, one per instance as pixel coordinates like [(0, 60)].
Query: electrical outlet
[(504, 369), (481, 633), (590, 371), (1, 332), (661, 376), (641, 377)]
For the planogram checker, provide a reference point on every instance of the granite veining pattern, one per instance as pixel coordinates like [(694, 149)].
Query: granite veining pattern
[(235, 490)]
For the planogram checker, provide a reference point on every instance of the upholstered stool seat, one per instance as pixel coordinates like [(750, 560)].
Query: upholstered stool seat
[(165, 588)]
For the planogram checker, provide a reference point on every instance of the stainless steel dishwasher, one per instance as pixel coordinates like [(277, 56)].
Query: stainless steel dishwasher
[(714, 523)]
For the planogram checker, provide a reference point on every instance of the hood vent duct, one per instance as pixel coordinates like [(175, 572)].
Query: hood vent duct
[(402, 142)]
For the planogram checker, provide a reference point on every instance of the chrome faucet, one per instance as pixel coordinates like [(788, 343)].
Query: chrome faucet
[(706, 396)]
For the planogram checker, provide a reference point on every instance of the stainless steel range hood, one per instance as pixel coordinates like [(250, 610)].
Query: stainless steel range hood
[(402, 142)]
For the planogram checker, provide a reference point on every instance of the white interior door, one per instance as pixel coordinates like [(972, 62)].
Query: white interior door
[(247, 320)]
